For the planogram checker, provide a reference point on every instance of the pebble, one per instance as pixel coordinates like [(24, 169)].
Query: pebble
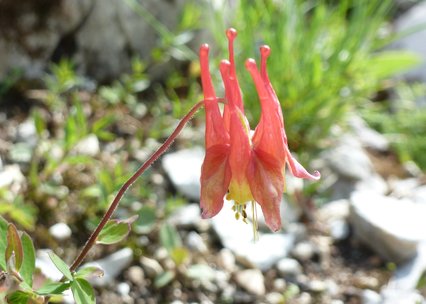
[(196, 242), (303, 251), (87, 146), (27, 132), (186, 216), (279, 285), (289, 267), (339, 230), (151, 267), (123, 289), (251, 280), (275, 298), (226, 260), (136, 275), (60, 231), (317, 286)]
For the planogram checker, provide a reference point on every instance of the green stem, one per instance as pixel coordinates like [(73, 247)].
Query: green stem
[(92, 239)]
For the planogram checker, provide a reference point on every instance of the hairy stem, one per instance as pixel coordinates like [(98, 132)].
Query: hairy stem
[(92, 239)]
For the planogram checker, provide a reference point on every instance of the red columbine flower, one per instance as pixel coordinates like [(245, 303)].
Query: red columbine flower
[(250, 168)]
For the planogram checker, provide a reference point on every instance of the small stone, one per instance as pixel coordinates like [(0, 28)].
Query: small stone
[(12, 178), (123, 289), (88, 146), (303, 298), (369, 296), (289, 267), (303, 251), (112, 265), (184, 169), (136, 275), (151, 267), (335, 210), (279, 285), (60, 231), (251, 280), (275, 298), (196, 242), (298, 230), (226, 260), (27, 132), (366, 282), (186, 216), (339, 230), (317, 286)]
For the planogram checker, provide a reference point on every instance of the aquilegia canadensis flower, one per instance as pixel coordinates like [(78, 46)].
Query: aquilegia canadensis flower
[(250, 167)]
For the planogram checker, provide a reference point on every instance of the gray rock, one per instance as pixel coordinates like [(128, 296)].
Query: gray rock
[(88, 146), (419, 195), (275, 298), (397, 296), (112, 265), (60, 231), (251, 280), (369, 138), (289, 267), (369, 296), (391, 227), (238, 237), (408, 275), (317, 286), (195, 242), (1, 164), (38, 32), (184, 170), (349, 160), (339, 230), (123, 288), (415, 42), (403, 187)]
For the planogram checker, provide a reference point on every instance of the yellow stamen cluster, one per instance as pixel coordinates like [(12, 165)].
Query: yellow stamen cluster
[(240, 212)]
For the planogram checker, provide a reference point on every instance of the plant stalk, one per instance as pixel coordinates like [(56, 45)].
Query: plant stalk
[(163, 148)]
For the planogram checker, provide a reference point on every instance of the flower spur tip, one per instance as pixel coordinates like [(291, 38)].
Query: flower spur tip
[(231, 33)]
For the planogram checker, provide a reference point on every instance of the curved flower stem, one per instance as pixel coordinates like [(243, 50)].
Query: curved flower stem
[(92, 239)]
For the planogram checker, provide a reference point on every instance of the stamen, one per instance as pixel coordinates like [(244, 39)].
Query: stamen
[(255, 227)]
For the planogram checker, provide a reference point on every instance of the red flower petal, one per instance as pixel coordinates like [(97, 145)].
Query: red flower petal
[(215, 178), (266, 181)]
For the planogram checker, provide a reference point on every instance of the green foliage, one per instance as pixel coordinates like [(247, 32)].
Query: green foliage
[(115, 231), (82, 291), (323, 61), (403, 123)]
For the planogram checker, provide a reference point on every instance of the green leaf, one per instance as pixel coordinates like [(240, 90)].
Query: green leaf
[(179, 255), (50, 288), (164, 278), (39, 123), (61, 265), (386, 64), (3, 243), (115, 231), (28, 264), (82, 291), (14, 246), (19, 297), (89, 271), (147, 219), (169, 237)]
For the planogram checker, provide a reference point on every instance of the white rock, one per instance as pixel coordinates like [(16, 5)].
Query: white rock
[(46, 266), (419, 195), (184, 170), (369, 296), (12, 178), (123, 289), (112, 265), (392, 227), (275, 298), (408, 275), (403, 187), (339, 230), (189, 215), (27, 132), (251, 280), (238, 237), (317, 286), (289, 267), (397, 296), (303, 251), (60, 231), (88, 146)]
